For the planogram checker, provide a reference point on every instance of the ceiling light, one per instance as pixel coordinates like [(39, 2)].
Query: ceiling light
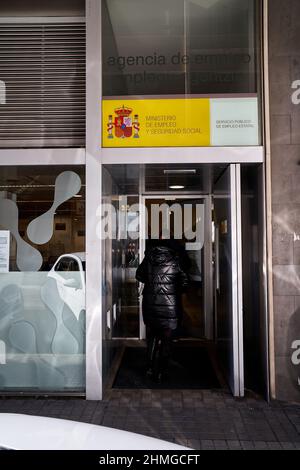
[(176, 186)]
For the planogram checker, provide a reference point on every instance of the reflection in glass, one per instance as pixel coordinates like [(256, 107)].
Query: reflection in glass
[(125, 286), (180, 47)]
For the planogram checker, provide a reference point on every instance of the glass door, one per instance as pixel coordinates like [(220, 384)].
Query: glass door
[(228, 277), (185, 223)]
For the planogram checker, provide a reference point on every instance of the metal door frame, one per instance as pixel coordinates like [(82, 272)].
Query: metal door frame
[(96, 156), (208, 271), (237, 278)]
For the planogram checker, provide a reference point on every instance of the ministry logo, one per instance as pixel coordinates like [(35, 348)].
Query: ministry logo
[(121, 125)]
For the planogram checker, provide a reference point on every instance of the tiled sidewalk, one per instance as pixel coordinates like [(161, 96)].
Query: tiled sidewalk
[(195, 418)]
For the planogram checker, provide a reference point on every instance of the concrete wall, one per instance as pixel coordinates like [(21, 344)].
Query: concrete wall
[(284, 51)]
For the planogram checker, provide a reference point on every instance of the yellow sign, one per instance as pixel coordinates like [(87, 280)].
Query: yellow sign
[(156, 123)]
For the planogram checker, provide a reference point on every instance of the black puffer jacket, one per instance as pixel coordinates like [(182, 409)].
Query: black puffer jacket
[(161, 272)]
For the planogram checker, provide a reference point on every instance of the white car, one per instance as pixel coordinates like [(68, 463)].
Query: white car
[(68, 272), (25, 432)]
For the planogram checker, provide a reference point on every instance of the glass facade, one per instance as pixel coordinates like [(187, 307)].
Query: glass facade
[(42, 278), (200, 61), (179, 47), (180, 73)]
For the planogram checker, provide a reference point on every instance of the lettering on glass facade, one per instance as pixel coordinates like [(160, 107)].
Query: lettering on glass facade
[(42, 282), (166, 83)]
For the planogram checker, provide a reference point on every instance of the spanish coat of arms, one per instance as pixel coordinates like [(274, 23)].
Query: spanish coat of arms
[(123, 124)]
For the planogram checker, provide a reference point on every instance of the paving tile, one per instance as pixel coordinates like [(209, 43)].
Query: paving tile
[(234, 445), (207, 444), (220, 444), (194, 444), (247, 445), (261, 445), (198, 419), (274, 446), (288, 445)]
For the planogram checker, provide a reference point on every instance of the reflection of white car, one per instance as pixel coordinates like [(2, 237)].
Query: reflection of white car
[(24, 432), (69, 274)]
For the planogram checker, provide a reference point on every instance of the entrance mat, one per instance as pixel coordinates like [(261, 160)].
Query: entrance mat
[(190, 368)]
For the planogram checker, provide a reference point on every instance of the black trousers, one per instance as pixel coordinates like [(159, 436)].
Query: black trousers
[(159, 348)]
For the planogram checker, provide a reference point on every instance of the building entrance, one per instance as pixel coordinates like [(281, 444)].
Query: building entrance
[(187, 225), (199, 210)]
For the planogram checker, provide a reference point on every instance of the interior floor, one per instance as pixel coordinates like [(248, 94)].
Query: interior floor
[(193, 365)]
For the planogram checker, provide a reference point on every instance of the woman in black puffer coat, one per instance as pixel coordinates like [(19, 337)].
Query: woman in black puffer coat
[(163, 275)]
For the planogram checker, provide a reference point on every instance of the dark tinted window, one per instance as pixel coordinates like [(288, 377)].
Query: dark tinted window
[(180, 46)]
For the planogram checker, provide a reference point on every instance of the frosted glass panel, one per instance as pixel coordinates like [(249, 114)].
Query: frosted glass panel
[(42, 341), (42, 282)]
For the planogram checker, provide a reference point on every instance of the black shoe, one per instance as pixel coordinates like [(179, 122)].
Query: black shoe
[(158, 378), (149, 372)]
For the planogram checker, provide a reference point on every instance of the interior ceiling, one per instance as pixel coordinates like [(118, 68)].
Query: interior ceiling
[(32, 187), (195, 178)]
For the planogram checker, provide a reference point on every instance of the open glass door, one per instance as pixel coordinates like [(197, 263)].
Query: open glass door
[(188, 222), (228, 277)]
